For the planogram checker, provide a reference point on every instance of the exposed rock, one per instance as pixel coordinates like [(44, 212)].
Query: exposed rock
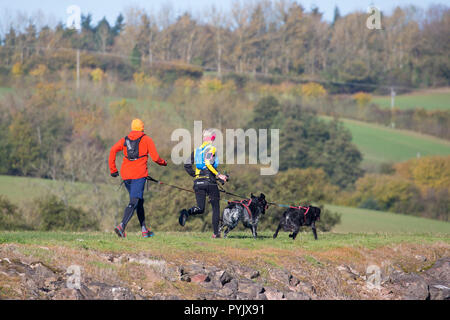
[(348, 273), (304, 286), (186, 278), (297, 296), (410, 286), (293, 281), (252, 289), (200, 278), (439, 292), (163, 297), (226, 291), (233, 285), (38, 280), (420, 258), (261, 296), (273, 294), (280, 275), (440, 271), (243, 296), (66, 294), (225, 277)]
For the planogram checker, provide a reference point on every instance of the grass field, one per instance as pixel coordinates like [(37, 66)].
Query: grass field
[(4, 90), (354, 220), (381, 144), (202, 243), (429, 100), (19, 189)]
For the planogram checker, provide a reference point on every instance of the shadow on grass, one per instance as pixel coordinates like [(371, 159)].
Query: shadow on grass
[(248, 236)]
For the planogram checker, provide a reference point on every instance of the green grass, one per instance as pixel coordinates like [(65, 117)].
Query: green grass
[(200, 242), (424, 100), (5, 90), (19, 189), (372, 221), (381, 144)]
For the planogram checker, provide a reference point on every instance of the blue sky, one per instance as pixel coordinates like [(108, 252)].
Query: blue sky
[(56, 9)]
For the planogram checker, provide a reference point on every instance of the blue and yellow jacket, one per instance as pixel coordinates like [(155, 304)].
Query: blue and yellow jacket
[(205, 162)]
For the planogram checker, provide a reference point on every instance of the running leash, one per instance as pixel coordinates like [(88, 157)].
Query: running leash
[(169, 185), (221, 189)]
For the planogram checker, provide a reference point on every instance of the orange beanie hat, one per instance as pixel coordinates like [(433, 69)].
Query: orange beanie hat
[(137, 125)]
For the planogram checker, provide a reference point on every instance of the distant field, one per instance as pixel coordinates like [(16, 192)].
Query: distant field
[(19, 188), (24, 189), (381, 144), (429, 100), (354, 220), (4, 90)]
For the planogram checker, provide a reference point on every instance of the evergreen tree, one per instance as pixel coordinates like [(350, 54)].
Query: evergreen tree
[(336, 16), (118, 26), (135, 57)]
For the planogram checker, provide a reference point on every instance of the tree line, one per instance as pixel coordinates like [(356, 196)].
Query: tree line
[(260, 38)]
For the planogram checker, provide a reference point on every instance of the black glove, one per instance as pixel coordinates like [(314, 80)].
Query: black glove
[(115, 174)]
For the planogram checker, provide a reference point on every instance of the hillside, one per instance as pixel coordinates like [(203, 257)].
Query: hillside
[(382, 144), (193, 266), (431, 99), (354, 220)]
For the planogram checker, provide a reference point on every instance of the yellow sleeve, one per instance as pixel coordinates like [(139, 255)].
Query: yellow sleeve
[(209, 165)]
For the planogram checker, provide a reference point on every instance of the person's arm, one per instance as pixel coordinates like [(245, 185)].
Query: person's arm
[(188, 166), (112, 155), (210, 157), (153, 153)]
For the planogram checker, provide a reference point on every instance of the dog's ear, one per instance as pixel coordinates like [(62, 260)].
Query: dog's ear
[(262, 196)]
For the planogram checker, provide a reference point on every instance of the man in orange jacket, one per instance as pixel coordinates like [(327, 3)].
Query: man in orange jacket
[(136, 147)]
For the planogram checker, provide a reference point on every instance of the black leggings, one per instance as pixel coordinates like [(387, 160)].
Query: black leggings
[(203, 188), (135, 204)]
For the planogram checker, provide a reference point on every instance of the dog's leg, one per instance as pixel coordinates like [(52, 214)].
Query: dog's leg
[(313, 227), (276, 232), (294, 234), (225, 233), (255, 234), (229, 228)]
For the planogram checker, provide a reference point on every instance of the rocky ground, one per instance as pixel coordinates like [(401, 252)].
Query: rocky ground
[(28, 273)]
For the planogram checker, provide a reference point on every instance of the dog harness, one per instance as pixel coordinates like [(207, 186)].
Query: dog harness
[(246, 206), (299, 208)]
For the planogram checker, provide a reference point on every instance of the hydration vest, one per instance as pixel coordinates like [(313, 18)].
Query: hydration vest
[(204, 153), (132, 148)]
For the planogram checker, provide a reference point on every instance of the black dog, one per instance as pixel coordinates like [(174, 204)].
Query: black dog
[(296, 217), (248, 211)]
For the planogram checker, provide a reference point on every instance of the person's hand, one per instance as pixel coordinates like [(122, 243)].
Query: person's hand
[(163, 163), (222, 177), (115, 174)]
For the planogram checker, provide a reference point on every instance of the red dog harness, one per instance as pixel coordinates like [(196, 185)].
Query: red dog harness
[(299, 208), (246, 206)]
